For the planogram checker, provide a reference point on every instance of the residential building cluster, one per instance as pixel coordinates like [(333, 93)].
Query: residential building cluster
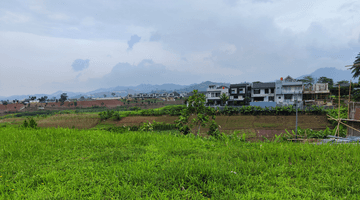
[(283, 92), (279, 93)]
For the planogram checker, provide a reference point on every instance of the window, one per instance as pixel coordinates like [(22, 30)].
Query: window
[(256, 91), (241, 91), (235, 97), (288, 96), (258, 99), (279, 97), (272, 90), (233, 91), (217, 94), (271, 98), (266, 91)]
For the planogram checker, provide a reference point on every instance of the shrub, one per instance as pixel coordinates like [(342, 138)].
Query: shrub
[(146, 126), (116, 116), (106, 114), (213, 129), (31, 124)]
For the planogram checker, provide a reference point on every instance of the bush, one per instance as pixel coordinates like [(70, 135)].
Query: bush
[(116, 116), (31, 124), (213, 130), (106, 114), (146, 126)]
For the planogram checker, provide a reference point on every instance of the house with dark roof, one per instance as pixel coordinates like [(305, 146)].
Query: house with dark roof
[(263, 92), (174, 94), (165, 94), (138, 95), (238, 93)]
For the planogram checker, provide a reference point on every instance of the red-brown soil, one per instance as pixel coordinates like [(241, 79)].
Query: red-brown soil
[(266, 126)]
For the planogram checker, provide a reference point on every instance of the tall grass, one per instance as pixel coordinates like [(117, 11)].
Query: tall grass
[(81, 164)]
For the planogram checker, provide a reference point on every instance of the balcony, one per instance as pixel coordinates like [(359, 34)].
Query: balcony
[(284, 91)]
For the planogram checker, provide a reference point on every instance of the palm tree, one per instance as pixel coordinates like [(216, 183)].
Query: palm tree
[(223, 98), (356, 67)]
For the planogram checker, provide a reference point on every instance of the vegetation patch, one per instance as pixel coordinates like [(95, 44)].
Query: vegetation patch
[(58, 163)]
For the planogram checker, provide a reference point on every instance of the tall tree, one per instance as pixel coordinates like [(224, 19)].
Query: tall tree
[(324, 79), (43, 99), (104, 95), (356, 67), (113, 94), (308, 81), (63, 97)]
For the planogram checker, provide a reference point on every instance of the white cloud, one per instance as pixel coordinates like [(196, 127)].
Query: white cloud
[(229, 40), (58, 16), (11, 17)]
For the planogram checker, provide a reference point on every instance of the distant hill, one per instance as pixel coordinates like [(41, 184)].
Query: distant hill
[(333, 73)]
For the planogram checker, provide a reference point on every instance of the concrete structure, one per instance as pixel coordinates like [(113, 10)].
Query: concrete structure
[(263, 92), (354, 114), (286, 91), (317, 91), (214, 92), (238, 93)]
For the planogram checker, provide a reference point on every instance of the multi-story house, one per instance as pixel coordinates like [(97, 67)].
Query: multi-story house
[(317, 91), (174, 94), (129, 96), (288, 90), (165, 94), (263, 92), (238, 94), (138, 95), (214, 92)]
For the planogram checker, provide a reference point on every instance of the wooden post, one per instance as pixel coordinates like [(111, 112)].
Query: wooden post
[(347, 132), (337, 128)]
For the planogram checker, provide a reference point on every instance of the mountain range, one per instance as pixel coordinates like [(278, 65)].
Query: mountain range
[(335, 74)]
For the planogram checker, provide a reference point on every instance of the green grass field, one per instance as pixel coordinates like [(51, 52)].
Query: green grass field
[(51, 163)]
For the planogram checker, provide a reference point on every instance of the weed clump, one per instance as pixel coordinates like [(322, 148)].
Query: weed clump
[(31, 124)]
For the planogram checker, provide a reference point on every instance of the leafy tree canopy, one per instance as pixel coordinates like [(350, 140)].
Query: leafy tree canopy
[(324, 79), (63, 97), (356, 67), (342, 82)]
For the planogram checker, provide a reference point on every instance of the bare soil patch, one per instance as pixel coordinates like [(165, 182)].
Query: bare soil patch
[(266, 126), (78, 121)]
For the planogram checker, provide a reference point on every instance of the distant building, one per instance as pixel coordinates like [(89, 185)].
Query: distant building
[(214, 93), (287, 91)]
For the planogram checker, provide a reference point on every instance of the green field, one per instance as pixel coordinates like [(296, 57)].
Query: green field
[(50, 163)]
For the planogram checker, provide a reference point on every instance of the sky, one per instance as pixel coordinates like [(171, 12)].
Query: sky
[(79, 46)]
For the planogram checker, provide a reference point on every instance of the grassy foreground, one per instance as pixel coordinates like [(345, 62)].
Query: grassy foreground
[(93, 164)]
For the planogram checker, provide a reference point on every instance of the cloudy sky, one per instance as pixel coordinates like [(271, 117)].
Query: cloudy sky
[(79, 46)]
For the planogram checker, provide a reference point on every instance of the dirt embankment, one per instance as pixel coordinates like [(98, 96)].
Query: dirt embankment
[(266, 126)]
